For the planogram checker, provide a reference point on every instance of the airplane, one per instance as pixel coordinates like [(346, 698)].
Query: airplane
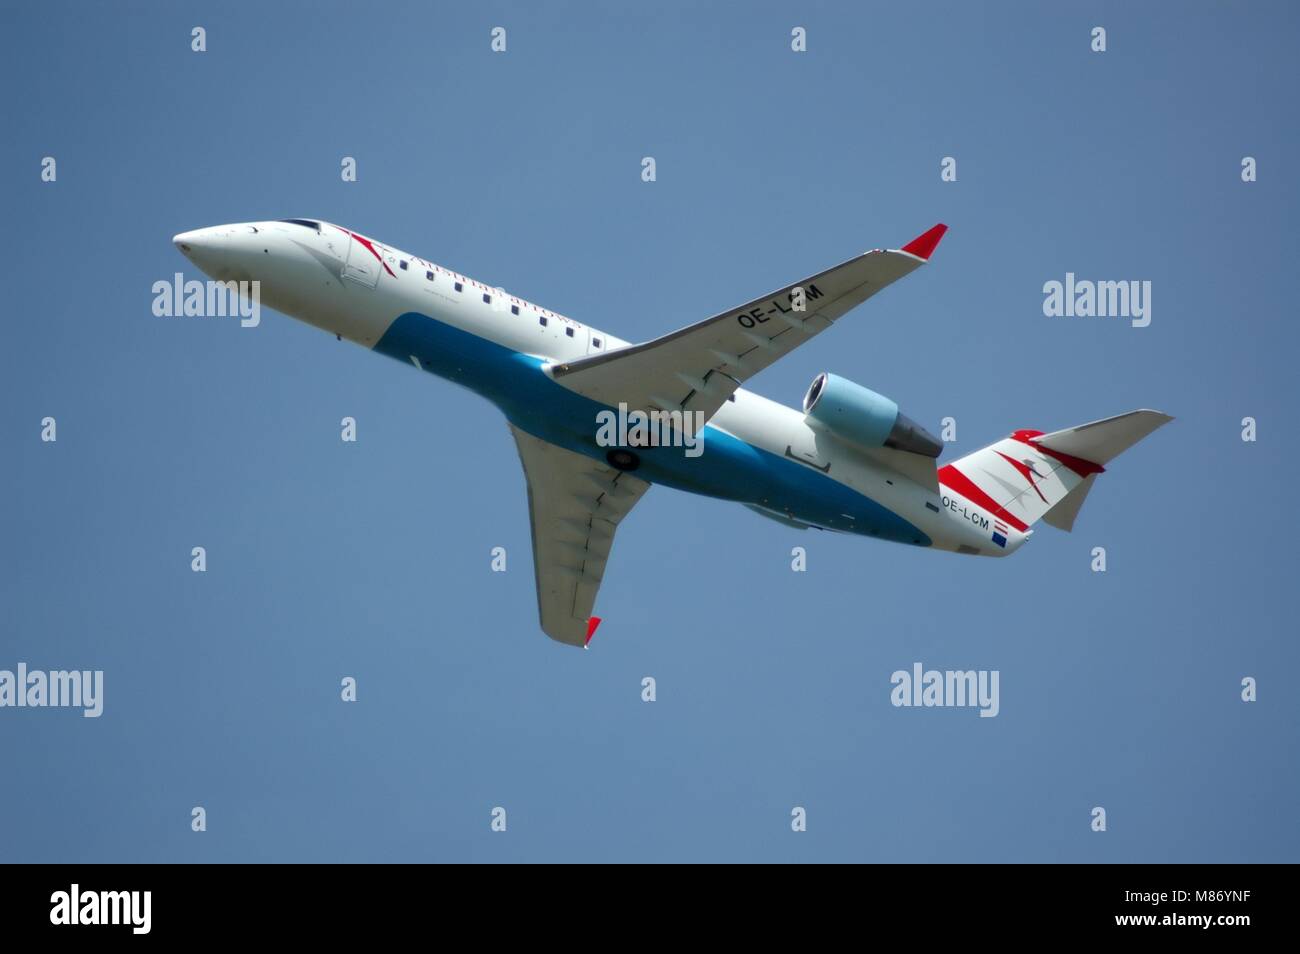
[(848, 461)]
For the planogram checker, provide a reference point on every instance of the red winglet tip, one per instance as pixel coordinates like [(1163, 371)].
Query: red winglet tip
[(923, 246), (591, 629)]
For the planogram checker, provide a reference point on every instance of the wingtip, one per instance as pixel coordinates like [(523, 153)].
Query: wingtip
[(923, 245), (592, 623)]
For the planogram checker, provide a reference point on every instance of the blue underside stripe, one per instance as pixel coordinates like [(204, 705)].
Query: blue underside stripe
[(729, 468)]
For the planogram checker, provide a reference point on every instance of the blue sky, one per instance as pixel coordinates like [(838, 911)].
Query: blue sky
[(522, 169)]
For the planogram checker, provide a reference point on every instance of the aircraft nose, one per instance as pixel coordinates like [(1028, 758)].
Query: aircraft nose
[(217, 251), (198, 240)]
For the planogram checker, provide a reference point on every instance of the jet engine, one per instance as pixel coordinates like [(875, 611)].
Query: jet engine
[(860, 416)]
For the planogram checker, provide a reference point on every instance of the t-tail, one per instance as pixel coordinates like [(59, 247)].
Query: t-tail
[(1032, 476)]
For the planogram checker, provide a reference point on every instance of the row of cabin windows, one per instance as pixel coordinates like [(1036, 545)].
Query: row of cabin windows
[(514, 309), (568, 330)]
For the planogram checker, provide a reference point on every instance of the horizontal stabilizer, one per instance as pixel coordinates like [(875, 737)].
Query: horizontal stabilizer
[(1101, 441)]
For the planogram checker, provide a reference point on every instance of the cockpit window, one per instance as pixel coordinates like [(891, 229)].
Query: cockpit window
[(306, 223)]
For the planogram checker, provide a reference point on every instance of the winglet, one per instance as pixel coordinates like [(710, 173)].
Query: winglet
[(591, 629), (923, 246)]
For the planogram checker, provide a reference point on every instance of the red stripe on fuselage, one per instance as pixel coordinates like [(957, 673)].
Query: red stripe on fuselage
[(957, 482)]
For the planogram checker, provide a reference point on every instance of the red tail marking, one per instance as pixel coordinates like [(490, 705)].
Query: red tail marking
[(1025, 472), (1077, 464), (958, 482), (591, 629)]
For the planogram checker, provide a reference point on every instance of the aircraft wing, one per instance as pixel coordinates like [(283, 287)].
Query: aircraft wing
[(699, 367), (575, 505)]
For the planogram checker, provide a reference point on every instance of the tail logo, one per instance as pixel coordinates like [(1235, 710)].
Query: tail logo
[(1026, 470)]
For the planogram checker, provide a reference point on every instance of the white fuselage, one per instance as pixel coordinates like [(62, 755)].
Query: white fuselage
[(378, 296)]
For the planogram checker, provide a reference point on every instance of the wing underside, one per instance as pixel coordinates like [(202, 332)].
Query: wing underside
[(575, 504), (700, 366)]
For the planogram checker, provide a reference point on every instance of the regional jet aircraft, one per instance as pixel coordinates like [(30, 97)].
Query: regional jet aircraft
[(597, 420)]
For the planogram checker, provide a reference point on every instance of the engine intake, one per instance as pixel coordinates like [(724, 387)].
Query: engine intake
[(863, 417)]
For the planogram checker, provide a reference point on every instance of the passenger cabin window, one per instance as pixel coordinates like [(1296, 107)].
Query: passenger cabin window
[(514, 309), (459, 287), (487, 299), (542, 321), (429, 275), (403, 264), (595, 342), (569, 332)]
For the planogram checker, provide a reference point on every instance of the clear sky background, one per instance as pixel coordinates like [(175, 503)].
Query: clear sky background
[(522, 169)]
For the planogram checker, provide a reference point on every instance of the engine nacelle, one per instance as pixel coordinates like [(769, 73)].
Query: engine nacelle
[(863, 417)]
